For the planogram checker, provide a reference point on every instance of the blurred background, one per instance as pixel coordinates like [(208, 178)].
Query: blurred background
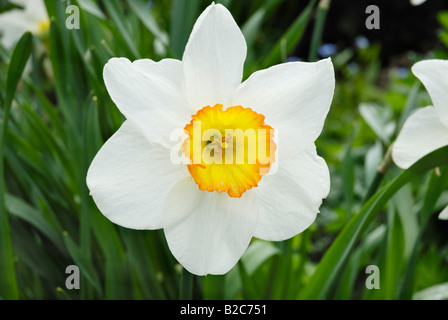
[(61, 115)]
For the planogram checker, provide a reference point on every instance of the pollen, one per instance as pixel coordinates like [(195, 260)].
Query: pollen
[(230, 149)]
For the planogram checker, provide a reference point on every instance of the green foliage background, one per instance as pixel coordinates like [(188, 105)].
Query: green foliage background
[(56, 117)]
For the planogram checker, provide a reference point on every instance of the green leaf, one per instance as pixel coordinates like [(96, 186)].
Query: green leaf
[(348, 177), (20, 56), (379, 119), (291, 37), (331, 264), (442, 17), (318, 29), (142, 12), (17, 207), (91, 7), (435, 187), (183, 15), (411, 104), (120, 21), (252, 26), (257, 253), (371, 162), (84, 263)]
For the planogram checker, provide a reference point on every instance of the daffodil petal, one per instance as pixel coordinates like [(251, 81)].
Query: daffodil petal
[(208, 232), (295, 97), (290, 198), (417, 2), (13, 25), (213, 59), (144, 89), (433, 74), (422, 133), (444, 214), (34, 9), (129, 179)]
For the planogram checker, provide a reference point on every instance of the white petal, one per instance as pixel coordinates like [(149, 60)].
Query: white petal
[(214, 58), (290, 199), (129, 179), (145, 90), (417, 2), (421, 134), (434, 75), (34, 9), (208, 232), (294, 97), (444, 214), (13, 25)]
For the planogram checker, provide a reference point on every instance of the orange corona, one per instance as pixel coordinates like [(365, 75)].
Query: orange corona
[(230, 150)]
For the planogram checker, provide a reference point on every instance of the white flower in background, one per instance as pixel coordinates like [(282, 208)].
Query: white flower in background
[(14, 23), (210, 212), (426, 130), (417, 2)]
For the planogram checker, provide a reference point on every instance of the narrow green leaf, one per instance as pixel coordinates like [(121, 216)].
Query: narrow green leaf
[(436, 185), (183, 15), (91, 7), (257, 253), (186, 285), (84, 263), (17, 207), (252, 26), (20, 56), (411, 104), (120, 21), (144, 14), (316, 38), (249, 288), (335, 257), (379, 119), (345, 289), (348, 177), (291, 37)]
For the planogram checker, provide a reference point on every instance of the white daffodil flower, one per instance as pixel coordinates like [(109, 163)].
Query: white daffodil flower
[(14, 23), (417, 2), (426, 129), (210, 210)]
